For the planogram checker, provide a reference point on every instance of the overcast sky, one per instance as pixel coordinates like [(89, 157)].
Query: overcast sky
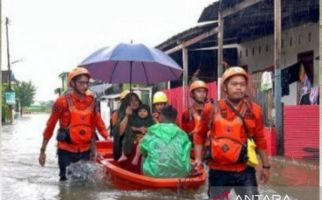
[(53, 36)]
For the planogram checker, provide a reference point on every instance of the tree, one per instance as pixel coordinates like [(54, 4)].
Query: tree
[(25, 92), (4, 105)]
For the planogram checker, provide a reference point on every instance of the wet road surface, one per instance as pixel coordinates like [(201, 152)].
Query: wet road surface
[(23, 178)]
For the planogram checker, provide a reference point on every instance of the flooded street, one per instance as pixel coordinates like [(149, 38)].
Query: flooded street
[(23, 178)]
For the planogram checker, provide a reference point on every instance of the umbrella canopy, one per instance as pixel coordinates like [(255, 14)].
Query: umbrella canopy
[(132, 63)]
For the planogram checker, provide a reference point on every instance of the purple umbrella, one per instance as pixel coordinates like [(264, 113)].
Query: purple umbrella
[(132, 63)]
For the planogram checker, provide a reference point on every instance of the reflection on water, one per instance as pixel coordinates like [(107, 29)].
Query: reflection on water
[(23, 178)]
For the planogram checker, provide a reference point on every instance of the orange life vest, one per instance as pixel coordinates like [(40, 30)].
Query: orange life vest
[(81, 123), (191, 121), (228, 139)]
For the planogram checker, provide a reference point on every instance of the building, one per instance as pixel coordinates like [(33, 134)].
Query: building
[(249, 41), (247, 28)]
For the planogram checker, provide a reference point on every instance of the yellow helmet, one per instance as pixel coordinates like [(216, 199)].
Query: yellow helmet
[(160, 97), (233, 71), (76, 72), (123, 94)]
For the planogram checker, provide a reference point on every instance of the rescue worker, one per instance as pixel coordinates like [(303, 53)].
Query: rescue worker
[(78, 121), (232, 121), (198, 92), (159, 101)]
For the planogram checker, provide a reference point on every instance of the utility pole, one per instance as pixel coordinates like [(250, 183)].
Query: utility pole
[(185, 78), (8, 54), (220, 56), (9, 69), (277, 64)]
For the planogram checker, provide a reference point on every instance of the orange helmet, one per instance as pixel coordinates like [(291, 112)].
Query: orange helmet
[(233, 71), (197, 84), (123, 94), (76, 72)]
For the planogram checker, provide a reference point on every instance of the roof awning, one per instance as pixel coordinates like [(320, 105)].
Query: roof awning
[(189, 37)]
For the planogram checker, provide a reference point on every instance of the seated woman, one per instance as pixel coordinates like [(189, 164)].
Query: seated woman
[(122, 133), (166, 148), (139, 125)]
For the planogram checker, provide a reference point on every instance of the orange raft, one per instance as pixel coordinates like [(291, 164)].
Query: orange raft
[(126, 180)]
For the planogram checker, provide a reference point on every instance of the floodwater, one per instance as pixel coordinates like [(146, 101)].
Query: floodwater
[(23, 178)]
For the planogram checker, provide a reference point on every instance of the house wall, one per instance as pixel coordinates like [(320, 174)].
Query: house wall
[(259, 54)]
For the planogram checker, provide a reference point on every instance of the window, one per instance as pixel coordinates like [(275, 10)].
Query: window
[(299, 40), (259, 49), (240, 54), (253, 51), (266, 48), (309, 37), (246, 52), (291, 41)]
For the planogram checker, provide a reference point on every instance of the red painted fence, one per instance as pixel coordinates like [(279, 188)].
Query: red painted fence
[(300, 125), (301, 131)]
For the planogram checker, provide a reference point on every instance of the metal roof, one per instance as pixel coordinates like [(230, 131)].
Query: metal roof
[(186, 35), (258, 20), (248, 24)]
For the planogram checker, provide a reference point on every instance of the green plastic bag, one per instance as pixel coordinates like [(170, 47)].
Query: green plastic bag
[(166, 151)]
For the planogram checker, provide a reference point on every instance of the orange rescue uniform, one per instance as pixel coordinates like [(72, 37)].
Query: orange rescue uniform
[(189, 120), (61, 112), (253, 120)]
